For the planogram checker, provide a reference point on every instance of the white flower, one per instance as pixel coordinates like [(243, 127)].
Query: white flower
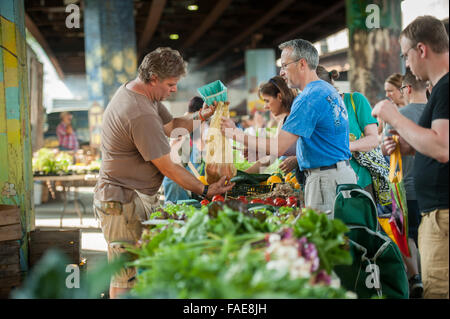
[(273, 238)]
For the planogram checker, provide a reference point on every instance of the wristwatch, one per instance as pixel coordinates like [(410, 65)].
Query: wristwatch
[(205, 191)]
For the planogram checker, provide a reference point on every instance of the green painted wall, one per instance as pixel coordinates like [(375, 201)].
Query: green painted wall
[(16, 177)]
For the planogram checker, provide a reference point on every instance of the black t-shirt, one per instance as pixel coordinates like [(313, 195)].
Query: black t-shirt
[(430, 176)]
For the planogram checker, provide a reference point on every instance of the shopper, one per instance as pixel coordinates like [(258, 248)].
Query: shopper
[(66, 134), (172, 191), (277, 99), (414, 92), (424, 47), (392, 87), (136, 155), (362, 125), (318, 123)]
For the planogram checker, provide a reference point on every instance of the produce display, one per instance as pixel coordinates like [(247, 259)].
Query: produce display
[(227, 250), (52, 162)]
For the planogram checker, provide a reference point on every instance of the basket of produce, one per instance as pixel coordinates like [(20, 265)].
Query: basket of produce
[(249, 189), (215, 91)]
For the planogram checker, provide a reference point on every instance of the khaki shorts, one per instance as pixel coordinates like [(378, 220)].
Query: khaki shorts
[(433, 249), (320, 186), (125, 227)]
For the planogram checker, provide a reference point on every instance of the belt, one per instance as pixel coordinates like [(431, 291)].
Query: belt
[(333, 166)]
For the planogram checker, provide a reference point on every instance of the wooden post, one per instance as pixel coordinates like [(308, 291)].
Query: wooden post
[(16, 177), (374, 51)]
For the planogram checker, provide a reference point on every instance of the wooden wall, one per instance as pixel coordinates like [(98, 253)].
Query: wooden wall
[(16, 178)]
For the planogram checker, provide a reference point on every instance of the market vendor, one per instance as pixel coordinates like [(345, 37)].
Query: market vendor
[(136, 155), (318, 123)]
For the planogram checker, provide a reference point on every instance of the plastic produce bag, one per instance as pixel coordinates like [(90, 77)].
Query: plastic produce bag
[(219, 150)]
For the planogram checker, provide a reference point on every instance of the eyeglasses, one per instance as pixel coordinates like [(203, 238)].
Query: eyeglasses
[(401, 89), (283, 66), (404, 56)]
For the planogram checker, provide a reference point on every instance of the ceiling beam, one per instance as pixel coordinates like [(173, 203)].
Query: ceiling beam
[(220, 7), (308, 24), (154, 15), (29, 24), (279, 7)]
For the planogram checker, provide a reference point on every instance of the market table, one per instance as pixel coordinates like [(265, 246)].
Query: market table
[(68, 181)]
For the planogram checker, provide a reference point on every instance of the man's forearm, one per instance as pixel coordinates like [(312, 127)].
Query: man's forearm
[(257, 144), (423, 140), (185, 179)]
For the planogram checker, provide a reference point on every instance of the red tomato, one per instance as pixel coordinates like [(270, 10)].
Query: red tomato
[(204, 202), (279, 202), (269, 201), (218, 198), (292, 201), (243, 199), (257, 201)]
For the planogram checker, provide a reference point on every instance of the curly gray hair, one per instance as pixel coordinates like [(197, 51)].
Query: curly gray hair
[(163, 63)]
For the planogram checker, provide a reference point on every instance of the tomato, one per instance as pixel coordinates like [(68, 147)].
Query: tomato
[(279, 202), (243, 199), (292, 201), (204, 202), (257, 201), (218, 198), (269, 201)]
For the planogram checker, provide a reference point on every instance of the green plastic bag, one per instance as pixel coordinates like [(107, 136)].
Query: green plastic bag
[(377, 269)]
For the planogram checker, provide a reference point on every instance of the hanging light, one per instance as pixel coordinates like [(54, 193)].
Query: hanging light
[(192, 7), (174, 36)]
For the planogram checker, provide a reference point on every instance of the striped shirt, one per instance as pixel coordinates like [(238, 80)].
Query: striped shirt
[(66, 140)]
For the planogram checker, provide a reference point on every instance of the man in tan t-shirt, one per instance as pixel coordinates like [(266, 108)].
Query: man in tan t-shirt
[(136, 155)]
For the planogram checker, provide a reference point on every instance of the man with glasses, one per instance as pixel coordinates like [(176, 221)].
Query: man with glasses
[(414, 92), (318, 123), (424, 43)]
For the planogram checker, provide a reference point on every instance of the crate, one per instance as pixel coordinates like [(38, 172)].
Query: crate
[(10, 227), (249, 189), (10, 273), (67, 241)]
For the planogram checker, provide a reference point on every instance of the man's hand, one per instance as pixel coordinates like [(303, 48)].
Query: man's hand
[(385, 110), (405, 148), (219, 187), (227, 126), (208, 111), (388, 145), (289, 164)]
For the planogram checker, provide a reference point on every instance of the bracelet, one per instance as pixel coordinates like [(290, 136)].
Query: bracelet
[(201, 117), (205, 191)]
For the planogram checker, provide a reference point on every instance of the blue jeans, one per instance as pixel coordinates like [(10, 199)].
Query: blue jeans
[(173, 192)]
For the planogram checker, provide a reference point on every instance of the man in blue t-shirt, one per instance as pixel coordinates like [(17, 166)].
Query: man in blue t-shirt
[(318, 123)]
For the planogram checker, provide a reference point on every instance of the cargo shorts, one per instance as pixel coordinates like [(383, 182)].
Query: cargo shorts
[(122, 223)]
